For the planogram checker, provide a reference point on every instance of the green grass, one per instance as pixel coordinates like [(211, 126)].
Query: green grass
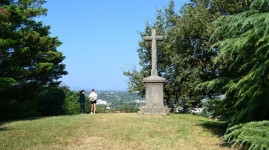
[(113, 131)]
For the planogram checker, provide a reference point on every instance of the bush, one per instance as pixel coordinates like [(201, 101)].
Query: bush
[(51, 101), (71, 106), (212, 108), (128, 108), (111, 111), (14, 109), (100, 109), (253, 135)]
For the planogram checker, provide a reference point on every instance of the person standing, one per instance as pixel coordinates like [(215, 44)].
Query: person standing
[(82, 101), (93, 97)]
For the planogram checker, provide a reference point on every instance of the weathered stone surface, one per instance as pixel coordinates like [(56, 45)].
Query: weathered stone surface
[(154, 94), (153, 38), (154, 79), (154, 84), (154, 110), (154, 97)]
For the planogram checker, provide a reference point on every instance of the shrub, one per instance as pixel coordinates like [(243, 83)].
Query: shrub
[(100, 109), (71, 106), (14, 109), (51, 101), (212, 108), (128, 108), (111, 111)]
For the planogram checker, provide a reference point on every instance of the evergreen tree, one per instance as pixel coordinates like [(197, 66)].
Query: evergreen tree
[(244, 48), (29, 56)]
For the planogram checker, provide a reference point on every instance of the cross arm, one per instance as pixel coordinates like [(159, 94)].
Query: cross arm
[(147, 38), (159, 38)]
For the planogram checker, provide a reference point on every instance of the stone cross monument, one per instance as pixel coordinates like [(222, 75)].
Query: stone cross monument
[(154, 83)]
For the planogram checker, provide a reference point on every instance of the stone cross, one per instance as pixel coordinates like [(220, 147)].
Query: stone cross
[(154, 38), (154, 83)]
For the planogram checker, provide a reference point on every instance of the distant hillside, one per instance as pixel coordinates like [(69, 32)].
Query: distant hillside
[(117, 95)]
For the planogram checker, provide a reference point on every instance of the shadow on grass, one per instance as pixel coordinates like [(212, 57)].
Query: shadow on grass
[(4, 129), (27, 119), (22, 119), (217, 128), (14, 120)]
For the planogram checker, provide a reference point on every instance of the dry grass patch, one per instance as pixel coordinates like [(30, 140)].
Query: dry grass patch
[(112, 131)]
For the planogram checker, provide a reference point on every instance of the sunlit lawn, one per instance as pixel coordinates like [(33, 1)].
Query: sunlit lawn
[(113, 131)]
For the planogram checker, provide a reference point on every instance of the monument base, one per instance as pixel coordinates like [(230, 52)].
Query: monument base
[(154, 97), (154, 110)]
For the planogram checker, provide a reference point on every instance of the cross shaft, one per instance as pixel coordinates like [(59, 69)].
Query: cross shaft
[(153, 38)]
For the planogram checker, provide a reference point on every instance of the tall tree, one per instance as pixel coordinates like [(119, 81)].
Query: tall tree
[(184, 58), (28, 54), (242, 43)]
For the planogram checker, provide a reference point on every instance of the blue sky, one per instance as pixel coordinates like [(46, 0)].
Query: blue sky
[(100, 38)]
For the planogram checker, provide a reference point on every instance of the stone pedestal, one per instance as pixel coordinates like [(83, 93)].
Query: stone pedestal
[(154, 97)]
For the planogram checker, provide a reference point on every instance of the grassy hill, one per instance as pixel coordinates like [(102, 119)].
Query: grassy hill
[(113, 131)]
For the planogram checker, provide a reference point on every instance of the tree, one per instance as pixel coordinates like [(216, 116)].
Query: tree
[(252, 135), (5, 83), (184, 57), (242, 44), (28, 54)]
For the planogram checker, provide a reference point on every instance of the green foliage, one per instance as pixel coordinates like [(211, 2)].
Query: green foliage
[(128, 108), (51, 102), (211, 108), (13, 109), (28, 54), (70, 106), (184, 57), (5, 83), (100, 108), (135, 81), (254, 135), (243, 48), (111, 111)]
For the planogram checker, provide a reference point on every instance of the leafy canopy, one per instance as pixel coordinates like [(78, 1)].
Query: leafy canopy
[(184, 57)]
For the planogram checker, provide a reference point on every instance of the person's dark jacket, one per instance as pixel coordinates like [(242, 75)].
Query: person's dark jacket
[(82, 98)]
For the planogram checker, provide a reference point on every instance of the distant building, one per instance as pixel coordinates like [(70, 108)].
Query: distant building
[(101, 102), (137, 101), (196, 110)]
